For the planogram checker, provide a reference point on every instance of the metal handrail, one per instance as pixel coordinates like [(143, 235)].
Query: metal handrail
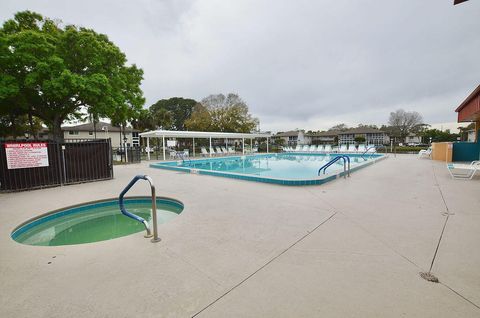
[(346, 159), (182, 156), (372, 153), (136, 217)]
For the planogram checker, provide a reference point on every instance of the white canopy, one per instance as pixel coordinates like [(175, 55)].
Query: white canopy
[(199, 134)]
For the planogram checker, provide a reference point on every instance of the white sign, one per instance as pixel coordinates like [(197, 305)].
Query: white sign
[(171, 143), (26, 155)]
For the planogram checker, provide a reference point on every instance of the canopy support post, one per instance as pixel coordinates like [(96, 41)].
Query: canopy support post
[(148, 148), (193, 147), (163, 146), (243, 146), (210, 150)]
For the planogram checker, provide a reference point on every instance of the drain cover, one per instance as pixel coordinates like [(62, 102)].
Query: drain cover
[(429, 276)]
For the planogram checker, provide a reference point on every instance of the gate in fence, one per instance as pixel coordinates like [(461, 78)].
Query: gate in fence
[(28, 165), (127, 154)]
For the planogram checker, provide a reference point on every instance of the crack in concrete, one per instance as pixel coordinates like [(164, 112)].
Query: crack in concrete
[(265, 265), (448, 213)]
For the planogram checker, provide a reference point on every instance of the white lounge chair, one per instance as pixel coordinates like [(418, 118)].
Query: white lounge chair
[(231, 150), (212, 152), (328, 148), (463, 171), (204, 152), (321, 148), (313, 148), (305, 148), (218, 151), (298, 148), (173, 154), (361, 148), (351, 148), (224, 150), (371, 148), (343, 148), (425, 153)]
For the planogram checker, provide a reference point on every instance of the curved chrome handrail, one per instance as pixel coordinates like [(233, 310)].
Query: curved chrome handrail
[(182, 156), (374, 152), (136, 217)]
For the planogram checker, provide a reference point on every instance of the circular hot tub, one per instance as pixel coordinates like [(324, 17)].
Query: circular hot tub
[(93, 222)]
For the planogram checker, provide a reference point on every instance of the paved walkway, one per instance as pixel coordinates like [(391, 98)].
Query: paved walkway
[(349, 248)]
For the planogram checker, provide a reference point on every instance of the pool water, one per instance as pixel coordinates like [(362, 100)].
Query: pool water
[(283, 168), (277, 166), (93, 222)]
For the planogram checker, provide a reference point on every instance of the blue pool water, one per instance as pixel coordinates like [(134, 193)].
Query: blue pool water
[(284, 168)]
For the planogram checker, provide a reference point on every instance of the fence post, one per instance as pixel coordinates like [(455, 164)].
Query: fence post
[(64, 166)]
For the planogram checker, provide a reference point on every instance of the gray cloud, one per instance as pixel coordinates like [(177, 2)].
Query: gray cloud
[(298, 64)]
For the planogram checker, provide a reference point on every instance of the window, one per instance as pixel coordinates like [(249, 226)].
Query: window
[(90, 133), (72, 132)]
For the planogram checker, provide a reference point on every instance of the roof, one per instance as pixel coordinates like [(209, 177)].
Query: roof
[(202, 134), (361, 130), (327, 133), (469, 98), (100, 125), (288, 133)]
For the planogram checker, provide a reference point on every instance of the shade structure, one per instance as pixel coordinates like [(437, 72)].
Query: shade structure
[(199, 134)]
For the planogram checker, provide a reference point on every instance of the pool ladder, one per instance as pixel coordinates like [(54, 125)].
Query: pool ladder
[(346, 165), (124, 211), (183, 157), (375, 148)]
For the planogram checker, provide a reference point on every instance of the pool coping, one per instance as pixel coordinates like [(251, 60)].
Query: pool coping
[(173, 165), (77, 208)]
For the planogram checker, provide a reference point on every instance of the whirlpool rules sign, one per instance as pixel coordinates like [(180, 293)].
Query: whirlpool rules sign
[(26, 155)]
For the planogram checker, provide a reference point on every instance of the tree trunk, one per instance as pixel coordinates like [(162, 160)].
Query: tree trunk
[(57, 132), (32, 129)]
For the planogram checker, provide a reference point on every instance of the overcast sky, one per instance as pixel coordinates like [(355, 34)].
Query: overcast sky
[(297, 64)]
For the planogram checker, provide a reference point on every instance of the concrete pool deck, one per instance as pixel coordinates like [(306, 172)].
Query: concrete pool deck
[(348, 248)]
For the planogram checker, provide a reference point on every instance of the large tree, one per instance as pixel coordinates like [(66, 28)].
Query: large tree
[(222, 113), (340, 127), (403, 123), (52, 72), (173, 112)]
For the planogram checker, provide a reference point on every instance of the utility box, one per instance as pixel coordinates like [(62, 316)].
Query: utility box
[(442, 151)]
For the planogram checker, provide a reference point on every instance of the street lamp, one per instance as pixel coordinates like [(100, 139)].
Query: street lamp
[(105, 129)]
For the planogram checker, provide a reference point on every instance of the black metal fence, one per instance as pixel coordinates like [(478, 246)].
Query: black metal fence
[(127, 154), (73, 161)]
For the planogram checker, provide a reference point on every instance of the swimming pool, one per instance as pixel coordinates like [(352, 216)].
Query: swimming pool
[(282, 168), (93, 222)]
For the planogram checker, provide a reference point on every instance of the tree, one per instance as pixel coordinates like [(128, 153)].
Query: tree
[(464, 131), (436, 135), (144, 121), (359, 139), (340, 127), (367, 126), (52, 72), (179, 110), (222, 113), (404, 123), (162, 118)]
